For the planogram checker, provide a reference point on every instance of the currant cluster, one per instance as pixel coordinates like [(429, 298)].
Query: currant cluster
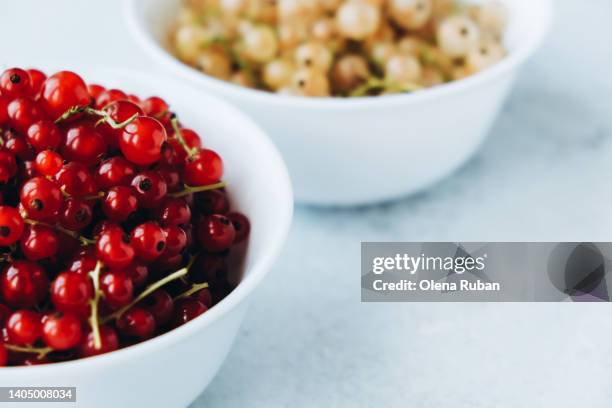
[(114, 222), (339, 47)]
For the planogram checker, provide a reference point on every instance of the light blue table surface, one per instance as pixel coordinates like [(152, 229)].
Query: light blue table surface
[(545, 173)]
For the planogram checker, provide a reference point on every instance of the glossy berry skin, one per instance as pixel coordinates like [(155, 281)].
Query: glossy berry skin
[(173, 211), (15, 82), (43, 135), (119, 203), (62, 331), (216, 233), (141, 140), (4, 101), (204, 296), (148, 240), (23, 284), (109, 95), (84, 262), (114, 172), (114, 249), (23, 327), (48, 163), (39, 242), (176, 240), (8, 164), (155, 106), (37, 79), (205, 168), (185, 310), (138, 273), (171, 176), (22, 113), (109, 342), (117, 288), (76, 180), (19, 147), (11, 225), (161, 306), (76, 214), (95, 90), (242, 226), (191, 138), (84, 144), (150, 188), (119, 111), (71, 292), (41, 199), (137, 322), (62, 91), (3, 355)]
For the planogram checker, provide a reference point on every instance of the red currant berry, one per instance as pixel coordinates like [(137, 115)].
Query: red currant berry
[(39, 242), (108, 96), (71, 293), (62, 331), (119, 203), (5, 312), (48, 163), (109, 342), (204, 296), (11, 225), (173, 211), (137, 322), (43, 135), (22, 113), (192, 140), (19, 147), (212, 202), (117, 288), (205, 168), (76, 180), (23, 327), (15, 82), (138, 273), (114, 248), (23, 284), (241, 225), (84, 144), (185, 310), (119, 111), (4, 102), (76, 214), (216, 233), (114, 172), (150, 188), (155, 106), (161, 305), (3, 355), (8, 163), (62, 91), (148, 241), (95, 90), (41, 199), (37, 79), (141, 140), (176, 241)]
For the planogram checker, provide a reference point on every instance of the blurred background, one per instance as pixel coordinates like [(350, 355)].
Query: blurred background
[(544, 174)]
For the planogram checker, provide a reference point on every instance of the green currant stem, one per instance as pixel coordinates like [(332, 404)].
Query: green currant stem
[(104, 116), (41, 351), (93, 318), (377, 83), (73, 234), (190, 190), (98, 196), (150, 289), (193, 289), (191, 151)]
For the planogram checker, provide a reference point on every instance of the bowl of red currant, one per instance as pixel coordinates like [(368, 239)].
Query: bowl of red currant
[(133, 230), (367, 100)]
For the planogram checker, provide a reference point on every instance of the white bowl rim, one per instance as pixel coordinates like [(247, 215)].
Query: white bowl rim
[(251, 280), (514, 59)]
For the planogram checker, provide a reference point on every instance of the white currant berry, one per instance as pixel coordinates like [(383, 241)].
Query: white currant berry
[(260, 44), (310, 82), (278, 73), (381, 51), (188, 41), (484, 55), (410, 14), (358, 19), (492, 16), (215, 63), (349, 72), (403, 69), (457, 35), (313, 55)]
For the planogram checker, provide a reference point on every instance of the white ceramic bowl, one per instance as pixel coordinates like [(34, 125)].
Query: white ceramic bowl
[(359, 151), (172, 369)]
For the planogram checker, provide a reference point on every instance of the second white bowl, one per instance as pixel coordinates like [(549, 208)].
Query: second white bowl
[(365, 150)]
